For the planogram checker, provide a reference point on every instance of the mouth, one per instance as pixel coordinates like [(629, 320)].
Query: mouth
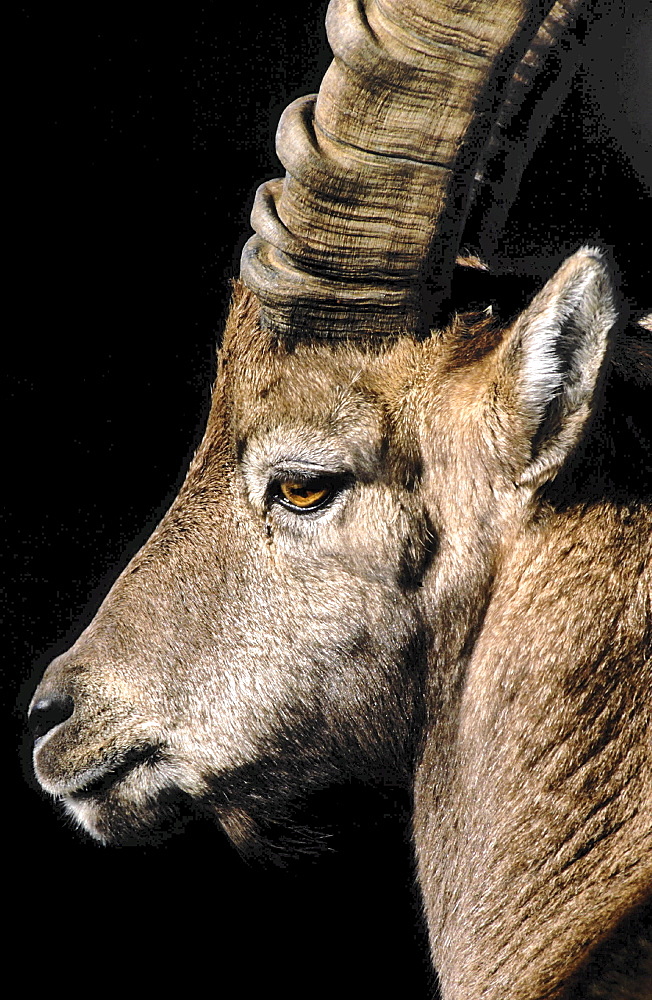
[(61, 773), (131, 800), (100, 780)]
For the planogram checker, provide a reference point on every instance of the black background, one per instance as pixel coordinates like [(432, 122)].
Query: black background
[(139, 134)]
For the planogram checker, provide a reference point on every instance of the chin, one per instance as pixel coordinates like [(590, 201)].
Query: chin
[(132, 812)]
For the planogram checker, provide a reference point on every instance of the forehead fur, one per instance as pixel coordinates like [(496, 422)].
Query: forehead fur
[(260, 357), (276, 378), (379, 394)]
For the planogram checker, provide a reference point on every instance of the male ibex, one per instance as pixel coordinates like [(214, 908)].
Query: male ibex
[(408, 549)]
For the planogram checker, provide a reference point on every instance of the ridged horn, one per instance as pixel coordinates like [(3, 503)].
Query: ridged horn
[(538, 86), (361, 235)]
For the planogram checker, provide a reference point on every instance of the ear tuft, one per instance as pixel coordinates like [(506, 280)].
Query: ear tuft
[(551, 364)]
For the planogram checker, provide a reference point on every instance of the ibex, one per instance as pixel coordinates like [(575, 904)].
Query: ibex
[(414, 544)]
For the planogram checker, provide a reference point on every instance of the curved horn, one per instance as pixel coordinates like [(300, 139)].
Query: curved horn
[(537, 88), (361, 234)]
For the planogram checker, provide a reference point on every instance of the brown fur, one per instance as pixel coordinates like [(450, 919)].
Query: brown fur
[(469, 617)]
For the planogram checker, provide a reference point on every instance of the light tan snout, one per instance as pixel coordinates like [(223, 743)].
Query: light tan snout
[(85, 729)]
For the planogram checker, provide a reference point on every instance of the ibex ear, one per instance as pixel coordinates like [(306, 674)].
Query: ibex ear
[(549, 366)]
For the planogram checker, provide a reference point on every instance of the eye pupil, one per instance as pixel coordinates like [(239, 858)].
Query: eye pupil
[(304, 495)]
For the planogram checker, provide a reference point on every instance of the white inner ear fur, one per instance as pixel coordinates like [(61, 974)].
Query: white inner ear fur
[(561, 338)]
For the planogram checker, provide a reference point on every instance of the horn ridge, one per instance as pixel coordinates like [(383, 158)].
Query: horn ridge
[(536, 90), (298, 303), (380, 164)]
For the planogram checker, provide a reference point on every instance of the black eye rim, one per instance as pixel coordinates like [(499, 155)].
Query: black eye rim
[(334, 484)]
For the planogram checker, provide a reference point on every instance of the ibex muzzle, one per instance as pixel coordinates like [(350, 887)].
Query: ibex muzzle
[(405, 552)]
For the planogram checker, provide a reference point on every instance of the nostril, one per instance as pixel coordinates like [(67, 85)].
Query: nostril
[(47, 713)]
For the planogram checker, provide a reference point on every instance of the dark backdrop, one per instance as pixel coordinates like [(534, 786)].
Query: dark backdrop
[(141, 133)]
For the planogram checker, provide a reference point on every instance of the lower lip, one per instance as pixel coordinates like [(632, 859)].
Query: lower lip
[(113, 775)]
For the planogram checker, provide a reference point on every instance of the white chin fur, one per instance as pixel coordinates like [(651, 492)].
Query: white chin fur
[(135, 795), (85, 814)]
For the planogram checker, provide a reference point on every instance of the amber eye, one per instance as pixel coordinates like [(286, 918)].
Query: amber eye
[(304, 496)]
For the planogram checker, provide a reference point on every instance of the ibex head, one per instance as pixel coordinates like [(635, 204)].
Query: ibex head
[(307, 610), (320, 567)]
